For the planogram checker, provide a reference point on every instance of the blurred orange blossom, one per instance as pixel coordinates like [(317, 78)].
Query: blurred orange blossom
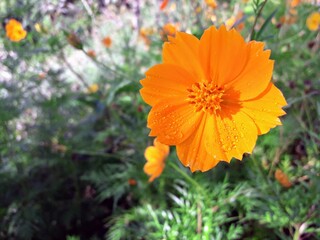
[(91, 53), (15, 31), (211, 3), (155, 156), (294, 3), (169, 29), (164, 4), (282, 178), (313, 21), (212, 97), (107, 42), (234, 19), (93, 88)]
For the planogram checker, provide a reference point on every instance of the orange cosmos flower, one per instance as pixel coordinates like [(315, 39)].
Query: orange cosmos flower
[(234, 19), (15, 31), (212, 3), (169, 29), (289, 19), (155, 156), (313, 21), (164, 4), (282, 178), (107, 42), (212, 97), (91, 53), (132, 182), (93, 88), (294, 3)]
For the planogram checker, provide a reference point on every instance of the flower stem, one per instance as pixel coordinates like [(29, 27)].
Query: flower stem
[(256, 19), (186, 176)]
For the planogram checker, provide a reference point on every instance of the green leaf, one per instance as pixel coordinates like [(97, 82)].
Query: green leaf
[(265, 24)]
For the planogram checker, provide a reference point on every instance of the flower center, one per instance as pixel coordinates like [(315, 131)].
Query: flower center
[(206, 97)]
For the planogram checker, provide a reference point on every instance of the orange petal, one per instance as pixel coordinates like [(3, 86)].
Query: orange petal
[(256, 76), (153, 170), (165, 149), (164, 81), (164, 4), (237, 133), (230, 62), (265, 109), (223, 54), (153, 155), (193, 152), (172, 120), (183, 50)]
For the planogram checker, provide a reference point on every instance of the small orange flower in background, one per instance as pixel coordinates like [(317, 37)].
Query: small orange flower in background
[(282, 178), (313, 21), (294, 3), (155, 156), (91, 53), (288, 19), (212, 3), (42, 75), (15, 31), (164, 4), (169, 29), (132, 182), (93, 88), (233, 20), (212, 97), (107, 42), (145, 33)]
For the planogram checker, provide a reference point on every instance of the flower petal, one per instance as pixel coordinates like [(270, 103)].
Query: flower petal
[(165, 81), (237, 133), (256, 76), (265, 109), (223, 54), (153, 169), (164, 149), (173, 120), (193, 152), (233, 64), (152, 154), (183, 51)]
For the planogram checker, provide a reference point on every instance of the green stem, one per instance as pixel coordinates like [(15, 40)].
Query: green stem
[(256, 19), (186, 176)]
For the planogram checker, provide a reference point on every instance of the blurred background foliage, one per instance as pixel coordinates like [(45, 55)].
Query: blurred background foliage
[(73, 126)]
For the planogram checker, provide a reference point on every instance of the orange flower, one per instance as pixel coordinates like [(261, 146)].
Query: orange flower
[(164, 4), (288, 19), (91, 53), (233, 20), (155, 156), (313, 21), (169, 29), (294, 3), (282, 178), (132, 182), (212, 97), (107, 42), (212, 3), (145, 33), (15, 31), (93, 88)]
